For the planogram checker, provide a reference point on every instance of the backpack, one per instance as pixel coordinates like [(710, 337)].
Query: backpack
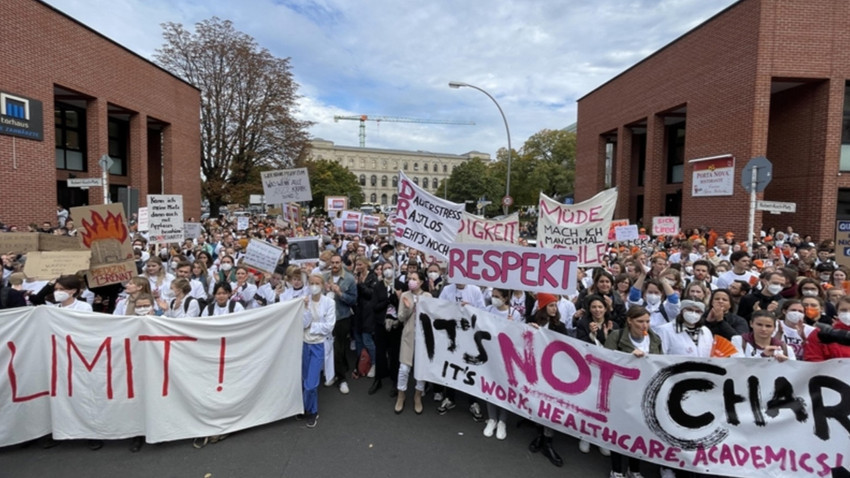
[(230, 306), (186, 304)]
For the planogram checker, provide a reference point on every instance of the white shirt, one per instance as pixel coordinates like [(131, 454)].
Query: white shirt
[(76, 305), (244, 294), (219, 310), (319, 319), (180, 311), (508, 314), (470, 294), (729, 277), (674, 342)]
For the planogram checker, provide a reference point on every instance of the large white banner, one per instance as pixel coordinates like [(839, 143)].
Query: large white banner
[(734, 417), (581, 227), (476, 229), (512, 267), (88, 375), (424, 221)]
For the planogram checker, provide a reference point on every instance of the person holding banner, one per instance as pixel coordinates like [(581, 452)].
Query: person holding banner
[(318, 321), (66, 290), (407, 316), (817, 349), (638, 339), (497, 416), (135, 287), (221, 304), (761, 341), (793, 330), (687, 335)]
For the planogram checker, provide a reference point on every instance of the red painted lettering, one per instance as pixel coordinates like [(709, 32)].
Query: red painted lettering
[(105, 345), (13, 378), (167, 339)]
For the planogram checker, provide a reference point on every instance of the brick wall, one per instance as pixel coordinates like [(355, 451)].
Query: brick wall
[(44, 49)]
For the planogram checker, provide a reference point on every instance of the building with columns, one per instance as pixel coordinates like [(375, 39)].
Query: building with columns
[(377, 169), (105, 99), (761, 78)]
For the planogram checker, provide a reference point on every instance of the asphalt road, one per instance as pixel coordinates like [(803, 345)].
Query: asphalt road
[(358, 435)]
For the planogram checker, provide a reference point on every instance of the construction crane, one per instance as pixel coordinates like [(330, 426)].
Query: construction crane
[(392, 119)]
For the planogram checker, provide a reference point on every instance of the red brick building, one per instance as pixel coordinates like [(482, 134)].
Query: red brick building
[(761, 78), (68, 96)]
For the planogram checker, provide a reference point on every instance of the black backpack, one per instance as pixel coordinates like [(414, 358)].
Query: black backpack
[(230, 306), (201, 304)]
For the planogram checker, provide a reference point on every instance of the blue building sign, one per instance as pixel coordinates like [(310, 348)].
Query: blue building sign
[(21, 116)]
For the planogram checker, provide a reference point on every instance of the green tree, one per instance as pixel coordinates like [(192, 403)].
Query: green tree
[(546, 163), (329, 178), (472, 180), (248, 100)]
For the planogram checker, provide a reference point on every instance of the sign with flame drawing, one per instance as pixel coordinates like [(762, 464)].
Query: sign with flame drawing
[(103, 229)]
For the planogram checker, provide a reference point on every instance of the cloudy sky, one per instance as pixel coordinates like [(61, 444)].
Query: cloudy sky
[(395, 58)]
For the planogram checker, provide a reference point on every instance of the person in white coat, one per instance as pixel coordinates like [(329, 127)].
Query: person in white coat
[(183, 304), (687, 335), (318, 321)]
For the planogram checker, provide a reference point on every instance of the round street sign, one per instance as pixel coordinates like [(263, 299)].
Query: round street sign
[(507, 201)]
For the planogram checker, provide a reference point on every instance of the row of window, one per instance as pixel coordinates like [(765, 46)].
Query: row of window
[(374, 198), (70, 140), (373, 181), (405, 165)]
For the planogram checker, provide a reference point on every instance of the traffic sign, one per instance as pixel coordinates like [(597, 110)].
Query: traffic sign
[(776, 207), (507, 201), (85, 182), (763, 170), (105, 162)]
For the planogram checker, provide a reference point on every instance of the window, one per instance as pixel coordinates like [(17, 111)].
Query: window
[(384, 181), (383, 199), (119, 134), (405, 166), (675, 153), (70, 124), (395, 181), (373, 181), (416, 180), (373, 198), (416, 166), (425, 183), (425, 167), (395, 199), (445, 168), (436, 183), (362, 179), (844, 164)]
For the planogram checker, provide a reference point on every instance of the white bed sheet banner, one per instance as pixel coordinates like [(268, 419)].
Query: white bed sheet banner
[(581, 227), (88, 375), (424, 221), (734, 417)]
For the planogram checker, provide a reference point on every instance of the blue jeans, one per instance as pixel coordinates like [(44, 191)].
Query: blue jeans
[(312, 359)]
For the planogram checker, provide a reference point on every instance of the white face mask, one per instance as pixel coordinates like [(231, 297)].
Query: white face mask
[(322, 264), (844, 317), (61, 296), (653, 299), (810, 293), (226, 266), (143, 310), (824, 278), (388, 273), (315, 289), (497, 302), (794, 316), (691, 317), (174, 265), (433, 275), (774, 289), (689, 270)]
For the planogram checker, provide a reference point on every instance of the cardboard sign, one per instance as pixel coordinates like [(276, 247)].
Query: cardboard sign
[(144, 221), (336, 203), (165, 212), (18, 242), (262, 255), (49, 265), (287, 185), (665, 225), (304, 249), (115, 273), (242, 223), (52, 242), (626, 233), (516, 268), (103, 229), (192, 230), (612, 236), (581, 227)]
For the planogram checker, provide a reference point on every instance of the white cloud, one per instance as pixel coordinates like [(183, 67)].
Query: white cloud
[(391, 58)]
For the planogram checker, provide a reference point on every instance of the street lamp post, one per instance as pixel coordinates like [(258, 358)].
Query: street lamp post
[(458, 84)]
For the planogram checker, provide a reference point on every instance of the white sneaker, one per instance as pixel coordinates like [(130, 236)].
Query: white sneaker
[(633, 474), (501, 431), (615, 474), (343, 388), (438, 397), (371, 373), (330, 382), (584, 446), (490, 428), (667, 473), (604, 451)]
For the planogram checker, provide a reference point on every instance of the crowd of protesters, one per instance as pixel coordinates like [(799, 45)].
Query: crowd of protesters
[(784, 298)]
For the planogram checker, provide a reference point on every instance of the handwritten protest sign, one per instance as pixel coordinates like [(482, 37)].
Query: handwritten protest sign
[(52, 242), (731, 417), (242, 223), (49, 265), (581, 227), (103, 229), (144, 221), (370, 223), (424, 221), (612, 236), (165, 212), (476, 229), (665, 225), (87, 375), (287, 185), (111, 273), (262, 255), (293, 213), (304, 249), (18, 242), (626, 233), (516, 268), (192, 230)]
